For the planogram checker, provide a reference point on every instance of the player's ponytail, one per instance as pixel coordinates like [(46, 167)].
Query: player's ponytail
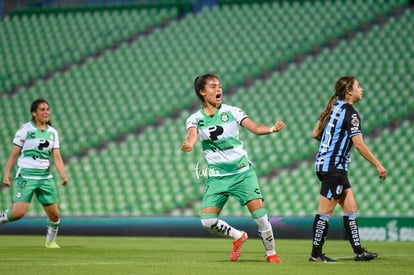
[(198, 86), (324, 117), (342, 85)]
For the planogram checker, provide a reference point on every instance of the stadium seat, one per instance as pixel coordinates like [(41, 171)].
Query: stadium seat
[(147, 82)]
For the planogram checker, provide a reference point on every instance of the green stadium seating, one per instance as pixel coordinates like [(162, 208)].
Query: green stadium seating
[(105, 100), (36, 44)]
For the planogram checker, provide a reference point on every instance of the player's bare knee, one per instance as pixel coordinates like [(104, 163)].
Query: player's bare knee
[(53, 217)]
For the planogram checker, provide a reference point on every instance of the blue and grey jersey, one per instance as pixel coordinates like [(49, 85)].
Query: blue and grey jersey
[(336, 142)]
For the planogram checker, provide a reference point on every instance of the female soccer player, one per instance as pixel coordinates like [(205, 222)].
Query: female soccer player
[(34, 145), (230, 172), (338, 129)]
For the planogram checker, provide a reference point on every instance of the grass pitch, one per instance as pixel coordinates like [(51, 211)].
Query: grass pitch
[(135, 255)]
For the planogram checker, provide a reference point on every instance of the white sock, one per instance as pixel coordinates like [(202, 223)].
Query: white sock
[(220, 227), (52, 230), (3, 217), (266, 233)]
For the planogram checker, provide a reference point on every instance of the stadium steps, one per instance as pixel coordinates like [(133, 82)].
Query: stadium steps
[(153, 140), (133, 69), (36, 46)]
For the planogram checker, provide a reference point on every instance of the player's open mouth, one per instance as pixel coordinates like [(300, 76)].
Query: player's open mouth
[(218, 96)]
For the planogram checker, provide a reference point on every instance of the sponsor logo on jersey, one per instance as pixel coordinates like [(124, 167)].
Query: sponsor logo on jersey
[(212, 172), (200, 171), (242, 165), (355, 120), (354, 129)]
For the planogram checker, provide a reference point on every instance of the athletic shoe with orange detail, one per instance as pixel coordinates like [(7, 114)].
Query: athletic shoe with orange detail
[(237, 246), (274, 259)]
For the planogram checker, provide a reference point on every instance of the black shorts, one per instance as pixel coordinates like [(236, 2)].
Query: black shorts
[(333, 184)]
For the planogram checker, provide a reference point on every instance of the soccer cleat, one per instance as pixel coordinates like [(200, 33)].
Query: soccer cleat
[(52, 244), (237, 246), (365, 255), (274, 259), (321, 258)]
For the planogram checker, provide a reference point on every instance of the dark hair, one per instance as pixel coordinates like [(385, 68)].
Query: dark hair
[(342, 85), (200, 83), (35, 105)]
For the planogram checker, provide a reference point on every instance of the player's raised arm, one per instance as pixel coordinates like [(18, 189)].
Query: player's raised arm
[(260, 129)]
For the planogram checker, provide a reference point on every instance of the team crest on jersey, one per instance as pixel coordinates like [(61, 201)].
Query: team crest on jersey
[(355, 120), (51, 137), (224, 117)]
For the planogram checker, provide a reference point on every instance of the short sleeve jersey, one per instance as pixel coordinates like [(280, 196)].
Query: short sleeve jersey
[(219, 135), (37, 145), (336, 143)]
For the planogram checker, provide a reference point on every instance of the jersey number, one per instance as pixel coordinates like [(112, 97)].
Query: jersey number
[(326, 141)]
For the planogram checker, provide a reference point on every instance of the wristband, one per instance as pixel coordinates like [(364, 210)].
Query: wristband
[(272, 129)]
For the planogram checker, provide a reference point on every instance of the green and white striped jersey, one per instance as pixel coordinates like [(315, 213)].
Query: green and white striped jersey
[(219, 135), (37, 145)]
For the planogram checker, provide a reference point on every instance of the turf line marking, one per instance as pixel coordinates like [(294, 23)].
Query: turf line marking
[(92, 263)]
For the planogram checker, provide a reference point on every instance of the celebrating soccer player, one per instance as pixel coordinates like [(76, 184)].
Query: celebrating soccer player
[(230, 172)]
